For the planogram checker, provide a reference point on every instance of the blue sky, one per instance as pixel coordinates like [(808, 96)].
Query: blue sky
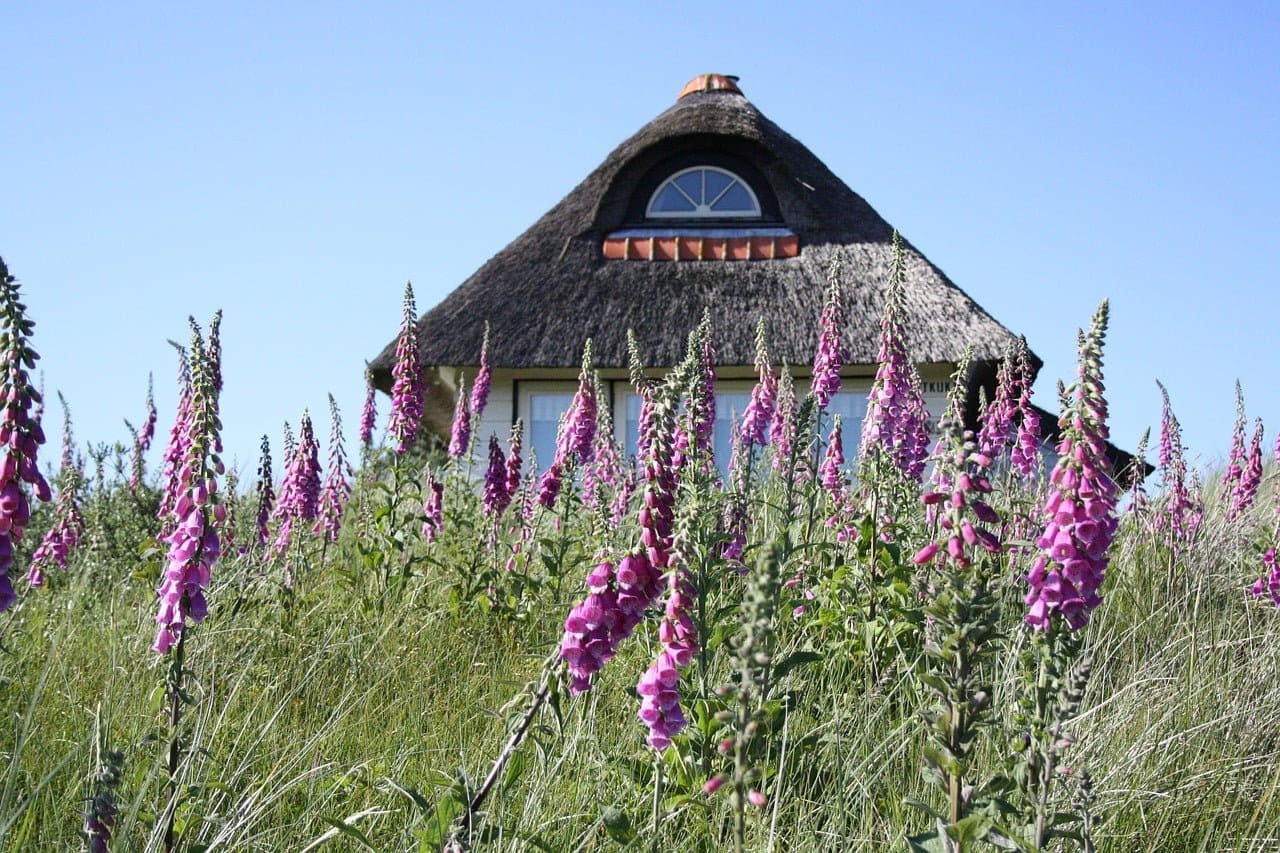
[(295, 165)]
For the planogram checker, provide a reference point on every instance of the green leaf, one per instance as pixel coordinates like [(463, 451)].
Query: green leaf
[(793, 660), (942, 758), (927, 842), (349, 831), (618, 825), (970, 829)]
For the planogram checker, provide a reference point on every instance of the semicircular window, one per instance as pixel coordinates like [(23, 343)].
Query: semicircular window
[(703, 192)]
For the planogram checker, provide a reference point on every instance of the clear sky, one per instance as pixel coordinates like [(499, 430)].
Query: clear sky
[(295, 164)]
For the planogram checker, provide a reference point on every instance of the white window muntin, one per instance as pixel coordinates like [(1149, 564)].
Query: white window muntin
[(678, 187)]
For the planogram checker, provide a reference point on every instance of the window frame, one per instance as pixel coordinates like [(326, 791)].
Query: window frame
[(704, 210)]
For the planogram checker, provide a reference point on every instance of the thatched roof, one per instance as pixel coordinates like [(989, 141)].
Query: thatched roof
[(551, 288)]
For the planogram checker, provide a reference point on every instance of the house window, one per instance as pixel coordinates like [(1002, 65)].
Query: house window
[(542, 405), (703, 192)]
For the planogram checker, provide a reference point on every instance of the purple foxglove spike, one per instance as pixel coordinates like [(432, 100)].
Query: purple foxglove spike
[(496, 497), (460, 436), (369, 413), (408, 389), (484, 378), (830, 355)]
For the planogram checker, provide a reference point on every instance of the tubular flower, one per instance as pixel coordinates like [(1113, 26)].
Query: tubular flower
[(460, 436), (1236, 460), (659, 685), (702, 395), (433, 510), (484, 378), (1177, 521), (1080, 518), (831, 354), (300, 489), (496, 496), (896, 423), (1270, 580), (68, 524), (957, 499), (176, 449), (408, 391), (998, 419), (193, 540), (603, 476), (1025, 455), (764, 396), (368, 414), (615, 604), (783, 428), (136, 464), (337, 484), (149, 422), (266, 495), (514, 462), (576, 435), (20, 432), (832, 470), (1246, 489)]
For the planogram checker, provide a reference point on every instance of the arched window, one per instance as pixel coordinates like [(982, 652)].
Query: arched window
[(703, 192)]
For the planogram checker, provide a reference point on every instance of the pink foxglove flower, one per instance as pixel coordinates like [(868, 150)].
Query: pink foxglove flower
[(176, 449), (514, 462), (832, 469), (1236, 460), (433, 510), (1178, 519), (20, 432), (408, 391), (576, 435), (1025, 455), (764, 396), (484, 378), (496, 496), (659, 686), (1080, 518), (193, 545), (299, 500), (266, 495), (616, 601), (336, 490), (368, 414), (896, 426), (68, 522), (831, 353), (959, 486), (460, 435), (783, 428), (1246, 488)]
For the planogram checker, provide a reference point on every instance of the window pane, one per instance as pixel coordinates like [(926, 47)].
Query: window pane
[(729, 408), (736, 200), (670, 201), (544, 421), (631, 436), (716, 183), (691, 183)]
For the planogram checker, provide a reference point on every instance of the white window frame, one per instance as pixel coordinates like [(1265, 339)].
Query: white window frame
[(702, 207)]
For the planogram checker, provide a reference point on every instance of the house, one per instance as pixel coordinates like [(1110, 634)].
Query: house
[(709, 205)]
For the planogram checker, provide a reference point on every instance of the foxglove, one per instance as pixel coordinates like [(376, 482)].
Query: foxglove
[(408, 390)]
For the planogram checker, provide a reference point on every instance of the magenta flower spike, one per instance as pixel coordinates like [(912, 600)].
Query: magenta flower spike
[(336, 490), (68, 522), (433, 510), (957, 498), (783, 428), (1246, 490), (602, 477), (659, 685), (176, 449), (754, 430), (299, 500), (496, 496), (1025, 455), (460, 436), (1270, 580), (20, 432), (408, 390), (1237, 459), (266, 495), (368, 414), (702, 405), (998, 428), (832, 470), (1080, 517), (1178, 519), (896, 426), (484, 378), (148, 432), (193, 544), (617, 598), (574, 441), (514, 462), (831, 353)]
